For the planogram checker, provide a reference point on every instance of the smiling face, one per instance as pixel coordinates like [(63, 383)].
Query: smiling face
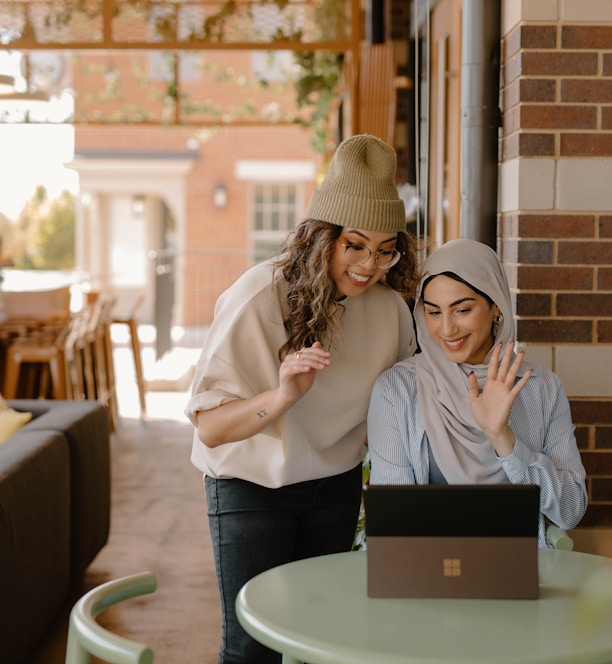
[(459, 320), (353, 280)]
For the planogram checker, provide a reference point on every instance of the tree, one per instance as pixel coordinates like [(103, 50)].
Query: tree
[(6, 238), (45, 232)]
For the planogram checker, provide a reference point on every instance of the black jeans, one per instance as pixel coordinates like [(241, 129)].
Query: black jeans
[(254, 528)]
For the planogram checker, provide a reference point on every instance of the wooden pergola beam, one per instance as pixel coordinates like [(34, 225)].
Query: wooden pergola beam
[(50, 25)]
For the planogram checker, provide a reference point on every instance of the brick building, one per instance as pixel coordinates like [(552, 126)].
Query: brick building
[(181, 210)]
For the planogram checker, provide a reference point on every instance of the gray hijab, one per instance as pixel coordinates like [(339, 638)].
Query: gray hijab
[(459, 447)]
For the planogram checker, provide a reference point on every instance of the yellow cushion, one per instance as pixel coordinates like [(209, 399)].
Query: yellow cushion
[(11, 420)]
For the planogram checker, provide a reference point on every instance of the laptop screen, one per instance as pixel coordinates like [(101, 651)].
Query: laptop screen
[(452, 510)]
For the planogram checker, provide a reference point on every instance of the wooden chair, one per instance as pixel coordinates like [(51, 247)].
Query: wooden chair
[(40, 305), (131, 322), (78, 361), (87, 638), (559, 538), (100, 377), (12, 330), (44, 350)]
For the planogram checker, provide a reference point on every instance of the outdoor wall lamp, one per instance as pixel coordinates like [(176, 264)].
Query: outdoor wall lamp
[(138, 205), (220, 195)]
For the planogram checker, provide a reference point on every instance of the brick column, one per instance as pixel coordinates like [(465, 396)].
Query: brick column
[(556, 194)]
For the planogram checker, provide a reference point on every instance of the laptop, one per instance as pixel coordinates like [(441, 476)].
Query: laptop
[(443, 540)]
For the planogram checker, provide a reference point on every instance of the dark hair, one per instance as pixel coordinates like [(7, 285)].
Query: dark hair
[(456, 277), (313, 313)]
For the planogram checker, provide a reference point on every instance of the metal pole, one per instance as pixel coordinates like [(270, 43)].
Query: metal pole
[(480, 119)]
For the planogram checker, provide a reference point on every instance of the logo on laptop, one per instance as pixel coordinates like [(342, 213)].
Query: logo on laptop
[(451, 566)]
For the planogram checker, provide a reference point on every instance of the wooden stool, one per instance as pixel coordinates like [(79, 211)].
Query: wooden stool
[(99, 355), (46, 348), (132, 325), (78, 361)]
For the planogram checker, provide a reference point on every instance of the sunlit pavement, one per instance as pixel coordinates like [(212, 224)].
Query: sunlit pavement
[(168, 379)]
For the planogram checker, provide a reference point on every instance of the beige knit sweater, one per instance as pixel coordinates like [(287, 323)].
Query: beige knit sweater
[(323, 433)]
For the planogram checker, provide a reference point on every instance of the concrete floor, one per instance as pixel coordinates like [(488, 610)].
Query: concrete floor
[(158, 524)]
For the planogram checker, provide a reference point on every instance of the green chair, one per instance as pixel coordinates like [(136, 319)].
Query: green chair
[(86, 637), (559, 538)]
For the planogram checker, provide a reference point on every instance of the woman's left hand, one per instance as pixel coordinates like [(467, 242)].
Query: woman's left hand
[(491, 407)]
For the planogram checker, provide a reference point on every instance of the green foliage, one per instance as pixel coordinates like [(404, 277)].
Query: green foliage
[(317, 86), (6, 237), (45, 232), (359, 543)]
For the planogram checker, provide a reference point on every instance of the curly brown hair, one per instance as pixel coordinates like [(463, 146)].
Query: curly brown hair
[(313, 313)]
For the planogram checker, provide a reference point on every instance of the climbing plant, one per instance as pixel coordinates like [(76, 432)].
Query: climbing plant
[(171, 26)]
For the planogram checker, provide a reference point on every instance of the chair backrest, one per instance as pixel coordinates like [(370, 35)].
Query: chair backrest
[(37, 304), (86, 637), (559, 538)]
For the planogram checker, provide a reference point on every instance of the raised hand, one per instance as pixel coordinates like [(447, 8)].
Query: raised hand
[(298, 370), (491, 406)]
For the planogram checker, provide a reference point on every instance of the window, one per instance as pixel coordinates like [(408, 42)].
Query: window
[(275, 216), (277, 199)]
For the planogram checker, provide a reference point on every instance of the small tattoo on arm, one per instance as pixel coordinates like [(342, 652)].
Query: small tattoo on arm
[(262, 413)]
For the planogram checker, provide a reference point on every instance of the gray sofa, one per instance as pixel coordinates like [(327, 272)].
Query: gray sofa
[(54, 514)]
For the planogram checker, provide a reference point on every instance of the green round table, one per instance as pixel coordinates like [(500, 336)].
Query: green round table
[(317, 611)]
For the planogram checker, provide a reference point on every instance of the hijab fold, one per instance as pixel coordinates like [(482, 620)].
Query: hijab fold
[(459, 447)]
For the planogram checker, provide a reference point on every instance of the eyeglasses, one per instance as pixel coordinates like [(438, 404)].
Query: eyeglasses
[(357, 254)]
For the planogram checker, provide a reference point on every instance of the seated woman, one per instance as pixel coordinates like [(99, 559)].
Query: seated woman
[(467, 409)]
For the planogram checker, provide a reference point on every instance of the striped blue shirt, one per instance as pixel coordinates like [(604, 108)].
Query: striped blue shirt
[(545, 452)]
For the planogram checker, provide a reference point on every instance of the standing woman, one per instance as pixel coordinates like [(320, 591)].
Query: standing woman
[(283, 382), (468, 410)]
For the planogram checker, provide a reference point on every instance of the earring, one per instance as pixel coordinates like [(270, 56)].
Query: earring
[(496, 321)]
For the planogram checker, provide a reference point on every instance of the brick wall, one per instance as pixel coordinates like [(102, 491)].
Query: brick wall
[(555, 226), (217, 241)]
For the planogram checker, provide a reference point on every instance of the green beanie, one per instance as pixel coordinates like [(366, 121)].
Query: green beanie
[(359, 189)]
